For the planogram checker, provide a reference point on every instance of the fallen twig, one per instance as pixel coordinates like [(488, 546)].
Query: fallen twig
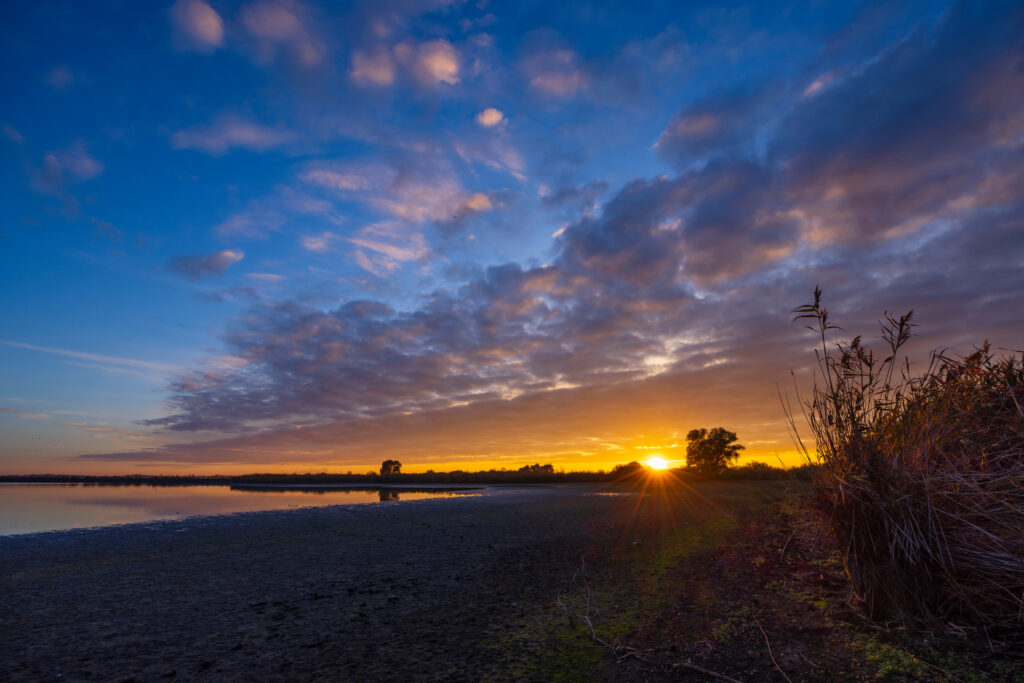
[(770, 654), (786, 544)]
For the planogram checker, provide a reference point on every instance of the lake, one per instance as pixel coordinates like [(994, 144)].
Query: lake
[(28, 508)]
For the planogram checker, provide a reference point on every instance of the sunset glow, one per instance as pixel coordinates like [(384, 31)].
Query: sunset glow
[(657, 463), (302, 236)]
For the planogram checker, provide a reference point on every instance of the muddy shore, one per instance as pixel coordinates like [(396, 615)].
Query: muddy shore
[(401, 590), (488, 587)]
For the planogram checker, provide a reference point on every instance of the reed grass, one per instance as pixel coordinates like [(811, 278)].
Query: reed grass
[(921, 476)]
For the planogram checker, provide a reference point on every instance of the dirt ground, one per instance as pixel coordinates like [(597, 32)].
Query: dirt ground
[(649, 581)]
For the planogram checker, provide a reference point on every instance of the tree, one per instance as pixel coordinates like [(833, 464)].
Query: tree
[(390, 467), (710, 452), (538, 468), (630, 469)]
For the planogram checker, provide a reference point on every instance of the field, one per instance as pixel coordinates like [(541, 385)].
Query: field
[(655, 581)]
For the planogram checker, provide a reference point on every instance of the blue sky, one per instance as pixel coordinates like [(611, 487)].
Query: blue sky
[(273, 234)]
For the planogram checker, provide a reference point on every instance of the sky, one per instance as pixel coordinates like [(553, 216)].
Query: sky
[(276, 235)]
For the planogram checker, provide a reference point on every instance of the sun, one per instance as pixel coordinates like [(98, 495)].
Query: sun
[(657, 463)]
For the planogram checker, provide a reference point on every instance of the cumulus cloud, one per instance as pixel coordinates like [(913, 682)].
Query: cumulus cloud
[(77, 162), (555, 70), (229, 132), (432, 63), (73, 164), (198, 266), (719, 125), (489, 117), (889, 188), (197, 26), (373, 68), (283, 26)]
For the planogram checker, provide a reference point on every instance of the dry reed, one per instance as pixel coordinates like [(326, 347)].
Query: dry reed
[(921, 477)]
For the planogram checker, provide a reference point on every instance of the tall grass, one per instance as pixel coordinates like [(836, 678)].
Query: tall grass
[(922, 476)]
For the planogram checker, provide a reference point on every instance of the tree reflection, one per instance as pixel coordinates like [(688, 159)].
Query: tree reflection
[(387, 494)]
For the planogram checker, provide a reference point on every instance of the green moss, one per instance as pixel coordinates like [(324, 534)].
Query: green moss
[(889, 660)]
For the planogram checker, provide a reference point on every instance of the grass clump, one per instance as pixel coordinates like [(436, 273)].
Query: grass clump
[(921, 477)]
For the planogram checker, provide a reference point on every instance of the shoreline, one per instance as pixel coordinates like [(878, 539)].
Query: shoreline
[(206, 519), (311, 591)]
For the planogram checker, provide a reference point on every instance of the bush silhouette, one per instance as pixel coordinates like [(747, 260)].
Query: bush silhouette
[(389, 467), (710, 452)]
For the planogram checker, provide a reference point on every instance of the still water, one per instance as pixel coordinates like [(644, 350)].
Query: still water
[(27, 508)]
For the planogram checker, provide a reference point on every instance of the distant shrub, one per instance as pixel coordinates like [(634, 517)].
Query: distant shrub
[(764, 471), (922, 476)]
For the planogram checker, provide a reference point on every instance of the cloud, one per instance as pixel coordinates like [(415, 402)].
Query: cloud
[(375, 68), (61, 168), (489, 117), (895, 187), (318, 243), (230, 132), (384, 246), (77, 162), (581, 198), (554, 69), (282, 27), (102, 361), (198, 266), (432, 63), (272, 278), (416, 190), (196, 26), (349, 178), (720, 125), (60, 77), (13, 135), (264, 216), (819, 84), (255, 222), (479, 202)]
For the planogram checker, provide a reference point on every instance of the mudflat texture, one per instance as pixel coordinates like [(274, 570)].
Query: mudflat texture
[(490, 587), (392, 591)]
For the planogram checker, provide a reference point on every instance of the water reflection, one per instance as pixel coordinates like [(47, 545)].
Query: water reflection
[(26, 508)]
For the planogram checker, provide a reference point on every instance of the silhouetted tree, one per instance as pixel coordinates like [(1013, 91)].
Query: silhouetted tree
[(710, 452), (537, 467), (389, 467)]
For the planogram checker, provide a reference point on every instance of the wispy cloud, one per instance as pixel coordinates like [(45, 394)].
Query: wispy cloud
[(101, 361), (198, 266), (230, 132), (60, 77)]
